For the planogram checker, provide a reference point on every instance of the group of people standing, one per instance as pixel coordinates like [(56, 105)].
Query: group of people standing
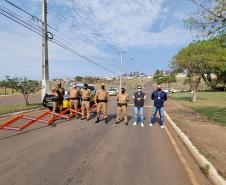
[(102, 99)]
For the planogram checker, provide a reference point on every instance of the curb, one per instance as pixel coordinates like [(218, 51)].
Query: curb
[(21, 112), (212, 173)]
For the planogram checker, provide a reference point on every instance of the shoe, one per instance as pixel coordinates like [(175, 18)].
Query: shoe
[(117, 123), (150, 124), (53, 125), (87, 119), (82, 118), (142, 124), (106, 121), (97, 121), (126, 123), (134, 124), (161, 126)]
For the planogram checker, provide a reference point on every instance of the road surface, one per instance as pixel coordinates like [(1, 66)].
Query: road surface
[(80, 152), (85, 153)]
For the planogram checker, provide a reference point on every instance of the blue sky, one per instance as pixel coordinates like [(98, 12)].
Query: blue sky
[(150, 31)]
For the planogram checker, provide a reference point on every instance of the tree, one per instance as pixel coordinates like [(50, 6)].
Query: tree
[(203, 59), (79, 78), (210, 18), (4, 84), (158, 76), (24, 86), (187, 59)]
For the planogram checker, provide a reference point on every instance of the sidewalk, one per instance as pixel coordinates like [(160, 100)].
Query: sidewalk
[(209, 137)]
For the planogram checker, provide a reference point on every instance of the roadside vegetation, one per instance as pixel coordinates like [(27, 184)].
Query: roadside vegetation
[(212, 105), (17, 108)]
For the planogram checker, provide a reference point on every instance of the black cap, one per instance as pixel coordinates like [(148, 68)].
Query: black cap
[(123, 89), (86, 85)]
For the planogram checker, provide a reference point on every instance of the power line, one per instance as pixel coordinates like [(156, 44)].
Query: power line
[(38, 31), (39, 20)]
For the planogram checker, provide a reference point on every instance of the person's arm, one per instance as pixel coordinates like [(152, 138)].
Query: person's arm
[(96, 96), (145, 97), (165, 96), (153, 96), (133, 96), (117, 99), (63, 92), (127, 99)]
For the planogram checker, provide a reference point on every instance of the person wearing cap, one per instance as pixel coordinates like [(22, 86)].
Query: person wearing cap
[(59, 92), (139, 98), (86, 96), (101, 99), (122, 100), (159, 97), (73, 93)]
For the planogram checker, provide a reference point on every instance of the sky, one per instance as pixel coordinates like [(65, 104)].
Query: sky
[(151, 32)]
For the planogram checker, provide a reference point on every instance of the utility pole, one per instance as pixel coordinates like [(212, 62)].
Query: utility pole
[(121, 69), (45, 61)]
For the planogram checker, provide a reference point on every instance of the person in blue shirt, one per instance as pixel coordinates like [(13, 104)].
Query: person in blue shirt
[(159, 97)]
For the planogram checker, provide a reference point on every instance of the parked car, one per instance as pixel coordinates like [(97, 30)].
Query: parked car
[(113, 91), (174, 90)]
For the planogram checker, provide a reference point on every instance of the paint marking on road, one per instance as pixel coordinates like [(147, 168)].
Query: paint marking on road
[(182, 159)]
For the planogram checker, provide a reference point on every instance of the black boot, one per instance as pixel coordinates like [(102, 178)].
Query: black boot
[(98, 120), (106, 121)]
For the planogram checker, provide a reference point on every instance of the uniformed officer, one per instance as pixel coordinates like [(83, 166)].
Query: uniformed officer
[(86, 96), (101, 99), (73, 93), (59, 92), (122, 100)]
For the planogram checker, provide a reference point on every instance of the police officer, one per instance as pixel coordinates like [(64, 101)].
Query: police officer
[(86, 96), (59, 92), (122, 100), (73, 93), (101, 99), (139, 99)]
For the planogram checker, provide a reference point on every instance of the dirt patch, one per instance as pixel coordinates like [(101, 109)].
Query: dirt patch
[(209, 137)]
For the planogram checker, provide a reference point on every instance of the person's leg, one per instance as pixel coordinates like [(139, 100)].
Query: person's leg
[(71, 105), (118, 119), (142, 114), (161, 114), (98, 110), (135, 115), (83, 110), (105, 110), (55, 105), (153, 116), (60, 106), (124, 110), (88, 110)]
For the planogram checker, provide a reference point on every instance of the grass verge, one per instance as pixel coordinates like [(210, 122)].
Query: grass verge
[(16, 108), (212, 105)]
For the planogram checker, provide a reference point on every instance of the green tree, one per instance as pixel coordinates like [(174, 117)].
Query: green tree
[(4, 84), (24, 86), (79, 78), (158, 76)]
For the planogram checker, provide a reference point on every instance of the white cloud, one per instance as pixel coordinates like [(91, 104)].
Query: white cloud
[(121, 23)]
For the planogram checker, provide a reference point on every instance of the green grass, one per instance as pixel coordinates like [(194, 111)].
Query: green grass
[(15, 108), (209, 104)]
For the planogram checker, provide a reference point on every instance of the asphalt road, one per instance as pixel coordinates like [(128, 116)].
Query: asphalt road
[(81, 152)]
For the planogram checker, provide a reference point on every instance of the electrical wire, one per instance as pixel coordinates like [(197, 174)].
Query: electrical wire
[(38, 31)]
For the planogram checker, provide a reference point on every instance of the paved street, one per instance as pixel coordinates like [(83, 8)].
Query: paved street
[(80, 152)]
